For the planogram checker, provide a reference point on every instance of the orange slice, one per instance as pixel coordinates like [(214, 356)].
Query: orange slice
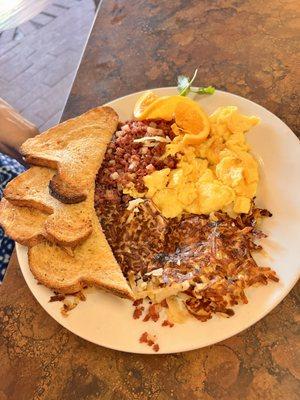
[(143, 103), (163, 107), (190, 117)]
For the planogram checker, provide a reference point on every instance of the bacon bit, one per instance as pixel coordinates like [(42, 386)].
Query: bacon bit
[(154, 312), (149, 340), (156, 347), (167, 323), (273, 277), (137, 302), (144, 338), (138, 312), (229, 312), (164, 303), (57, 297)]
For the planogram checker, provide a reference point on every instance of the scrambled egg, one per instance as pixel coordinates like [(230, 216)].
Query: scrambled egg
[(214, 173), (131, 191)]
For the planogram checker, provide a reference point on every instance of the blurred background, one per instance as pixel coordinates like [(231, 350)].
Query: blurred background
[(41, 43)]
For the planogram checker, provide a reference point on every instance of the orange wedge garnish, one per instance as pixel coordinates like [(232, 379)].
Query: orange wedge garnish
[(163, 107), (143, 103), (190, 117)]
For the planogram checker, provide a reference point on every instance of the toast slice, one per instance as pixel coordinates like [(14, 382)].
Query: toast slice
[(62, 269), (26, 225), (75, 149), (29, 222), (64, 224), (92, 263), (22, 224)]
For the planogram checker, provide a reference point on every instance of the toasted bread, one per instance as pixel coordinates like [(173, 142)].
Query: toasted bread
[(68, 224), (74, 148), (60, 268), (22, 224), (73, 152), (30, 189), (28, 226), (92, 263)]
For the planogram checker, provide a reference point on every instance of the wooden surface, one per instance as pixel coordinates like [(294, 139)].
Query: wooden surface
[(246, 47)]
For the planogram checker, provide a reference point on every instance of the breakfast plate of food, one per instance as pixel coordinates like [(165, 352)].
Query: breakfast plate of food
[(162, 222)]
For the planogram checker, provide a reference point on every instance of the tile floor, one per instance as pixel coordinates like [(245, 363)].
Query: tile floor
[(38, 60)]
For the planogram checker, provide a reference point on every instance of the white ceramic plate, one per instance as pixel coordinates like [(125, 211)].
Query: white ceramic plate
[(107, 320)]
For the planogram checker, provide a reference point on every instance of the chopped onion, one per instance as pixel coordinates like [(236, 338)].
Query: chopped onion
[(134, 203), (152, 138)]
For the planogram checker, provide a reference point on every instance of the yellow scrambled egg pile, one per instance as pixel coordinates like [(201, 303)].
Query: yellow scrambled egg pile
[(214, 173)]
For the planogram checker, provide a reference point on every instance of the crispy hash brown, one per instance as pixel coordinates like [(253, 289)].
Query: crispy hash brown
[(208, 261)]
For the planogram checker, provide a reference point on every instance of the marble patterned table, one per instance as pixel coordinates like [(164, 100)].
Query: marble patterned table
[(240, 46)]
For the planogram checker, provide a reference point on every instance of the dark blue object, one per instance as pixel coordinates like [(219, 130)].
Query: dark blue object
[(9, 168)]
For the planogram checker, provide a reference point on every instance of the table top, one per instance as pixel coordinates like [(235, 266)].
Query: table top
[(238, 46)]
